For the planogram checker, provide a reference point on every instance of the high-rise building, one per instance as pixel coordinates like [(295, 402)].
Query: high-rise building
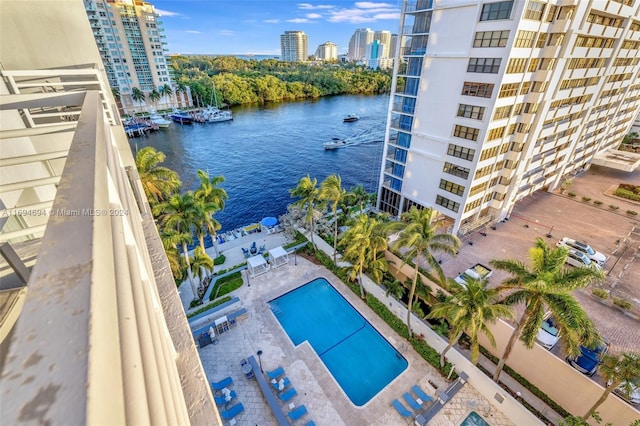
[(376, 57), (327, 51), (524, 94), (392, 45), (130, 39), (294, 46), (358, 44), (92, 329), (384, 37)]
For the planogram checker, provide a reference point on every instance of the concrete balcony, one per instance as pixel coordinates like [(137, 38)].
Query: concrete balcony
[(96, 327)]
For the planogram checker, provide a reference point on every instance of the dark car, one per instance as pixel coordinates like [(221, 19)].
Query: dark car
[(588, 360)]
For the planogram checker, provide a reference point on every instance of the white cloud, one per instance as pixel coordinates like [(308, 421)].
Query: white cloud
[(226, 32), (372, 5), (298, 20), (392, 15), (193, 32), (272, 21), (365, 12), (313, 15), (309, 6), (166, 12)]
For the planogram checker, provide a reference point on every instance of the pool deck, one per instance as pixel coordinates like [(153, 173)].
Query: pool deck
[(317, 390)]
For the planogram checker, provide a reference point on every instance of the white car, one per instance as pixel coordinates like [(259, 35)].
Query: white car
[(633, 397), (548, 334), (592, 254), (580, 260)]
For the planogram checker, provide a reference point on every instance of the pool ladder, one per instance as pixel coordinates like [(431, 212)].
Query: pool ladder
[(276, 311)]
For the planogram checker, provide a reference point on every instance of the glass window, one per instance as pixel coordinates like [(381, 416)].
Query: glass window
[(495, 11), (484, 65), (461, 152), (454, 188), (525, 38), (456, 170), (447, 203), (534, 11), (491, 39), (465, 132), (471, 111), (482, 90)]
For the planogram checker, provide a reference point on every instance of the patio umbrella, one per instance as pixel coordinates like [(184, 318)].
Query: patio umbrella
[(269, 221)]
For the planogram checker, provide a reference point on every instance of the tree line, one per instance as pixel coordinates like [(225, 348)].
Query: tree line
[(545, 286), (239, 81)]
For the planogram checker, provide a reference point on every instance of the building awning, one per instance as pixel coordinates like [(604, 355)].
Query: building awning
[(278, 257), (257, 265), (617, 159)]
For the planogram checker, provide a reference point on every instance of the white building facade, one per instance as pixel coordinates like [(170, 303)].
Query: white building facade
[(327, 51), (493, 100), (294, 46), (358, 44)]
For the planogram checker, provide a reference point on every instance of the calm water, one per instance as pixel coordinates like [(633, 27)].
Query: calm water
[(265, 150), (358, 357)]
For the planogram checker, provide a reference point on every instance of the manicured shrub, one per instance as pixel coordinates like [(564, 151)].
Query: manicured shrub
[(571, 194), (601, 293), (632, 213), (613, 207), (226, 284), (597, 202), (626, 193), (210, 306), (586, 199), (219, 260), (623, 303)]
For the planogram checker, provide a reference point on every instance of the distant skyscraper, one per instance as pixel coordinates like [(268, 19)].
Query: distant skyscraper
[(358, 44), (131, 42), (384, 37), (327, 51), (377, 56), (293, 45), (525, 95), (392, 45)]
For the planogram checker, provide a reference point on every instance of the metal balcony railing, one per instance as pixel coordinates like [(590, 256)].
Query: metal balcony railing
[(102, 315)]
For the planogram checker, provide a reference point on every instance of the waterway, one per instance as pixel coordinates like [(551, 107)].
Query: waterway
[(266, 149)]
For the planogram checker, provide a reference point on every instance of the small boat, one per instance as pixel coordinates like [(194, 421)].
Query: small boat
[(136, 127), (334, 143), (181, 117), (350, 118), (159, 120), (216, 115)]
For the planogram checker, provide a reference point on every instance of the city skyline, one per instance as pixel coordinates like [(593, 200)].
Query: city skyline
[(254, 27)]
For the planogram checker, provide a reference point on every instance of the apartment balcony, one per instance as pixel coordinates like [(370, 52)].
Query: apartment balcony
[(418, 6), (551, 51), (559, 26), (96, 326)]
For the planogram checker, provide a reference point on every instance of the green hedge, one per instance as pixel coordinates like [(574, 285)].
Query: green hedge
[(226, 284), (601, 293), (625, 193), (219, 260), (209, 306)]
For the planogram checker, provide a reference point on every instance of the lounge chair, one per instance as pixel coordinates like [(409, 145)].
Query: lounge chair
[(297, 413), (401, 409), (412, 402), (232, 412), (274, 374), (227, 381), (310, 423), (222, 399), (286, 396), (420, 393), (285, 382)]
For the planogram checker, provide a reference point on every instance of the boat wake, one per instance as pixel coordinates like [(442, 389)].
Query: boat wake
[(371, 135)]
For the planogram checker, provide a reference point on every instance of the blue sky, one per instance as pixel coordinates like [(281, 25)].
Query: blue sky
[(254, 26)]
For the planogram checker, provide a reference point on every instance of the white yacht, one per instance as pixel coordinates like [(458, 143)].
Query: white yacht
[(159, 120)]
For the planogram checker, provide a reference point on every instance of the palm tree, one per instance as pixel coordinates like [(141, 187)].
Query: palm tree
[(331, 191), (155, 96), (547, 287), (307, 191), (170, 240), (167, 91), (618, 369), (361, 196), (395, 288), (138, 96), (467, 311), (180, 88), (358, 249), (158, 182), (210, 198), (201, 266), (418, 234), (178, 216)]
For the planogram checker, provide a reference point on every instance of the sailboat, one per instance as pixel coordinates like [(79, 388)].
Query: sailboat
[(213, 114)]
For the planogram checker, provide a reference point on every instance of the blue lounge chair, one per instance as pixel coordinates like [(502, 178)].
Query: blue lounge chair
[(286, 396), (420, 393), (310, 423), (412, 402), (274, 374), (227, 381), (276, 385), (221, 399), (297, 413), (232, 412), (401, 409)]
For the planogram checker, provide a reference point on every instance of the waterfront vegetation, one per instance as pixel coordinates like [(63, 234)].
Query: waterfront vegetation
[(240, 81)]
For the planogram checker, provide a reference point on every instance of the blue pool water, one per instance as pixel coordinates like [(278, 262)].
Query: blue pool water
[(474, 419), (359, 358)]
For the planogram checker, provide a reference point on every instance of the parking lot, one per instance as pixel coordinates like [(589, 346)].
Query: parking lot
[(553, 216)]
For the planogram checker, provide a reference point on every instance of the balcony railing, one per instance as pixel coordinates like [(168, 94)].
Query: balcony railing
[(102, 327)]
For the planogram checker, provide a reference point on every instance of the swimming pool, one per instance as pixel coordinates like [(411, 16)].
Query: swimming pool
[(359, 358), (474, 419)]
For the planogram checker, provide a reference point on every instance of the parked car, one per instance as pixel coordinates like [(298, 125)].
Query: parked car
[(580, 260), (588, 360), (548, 334), (633, 396), (477, 271), (592, 254)]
